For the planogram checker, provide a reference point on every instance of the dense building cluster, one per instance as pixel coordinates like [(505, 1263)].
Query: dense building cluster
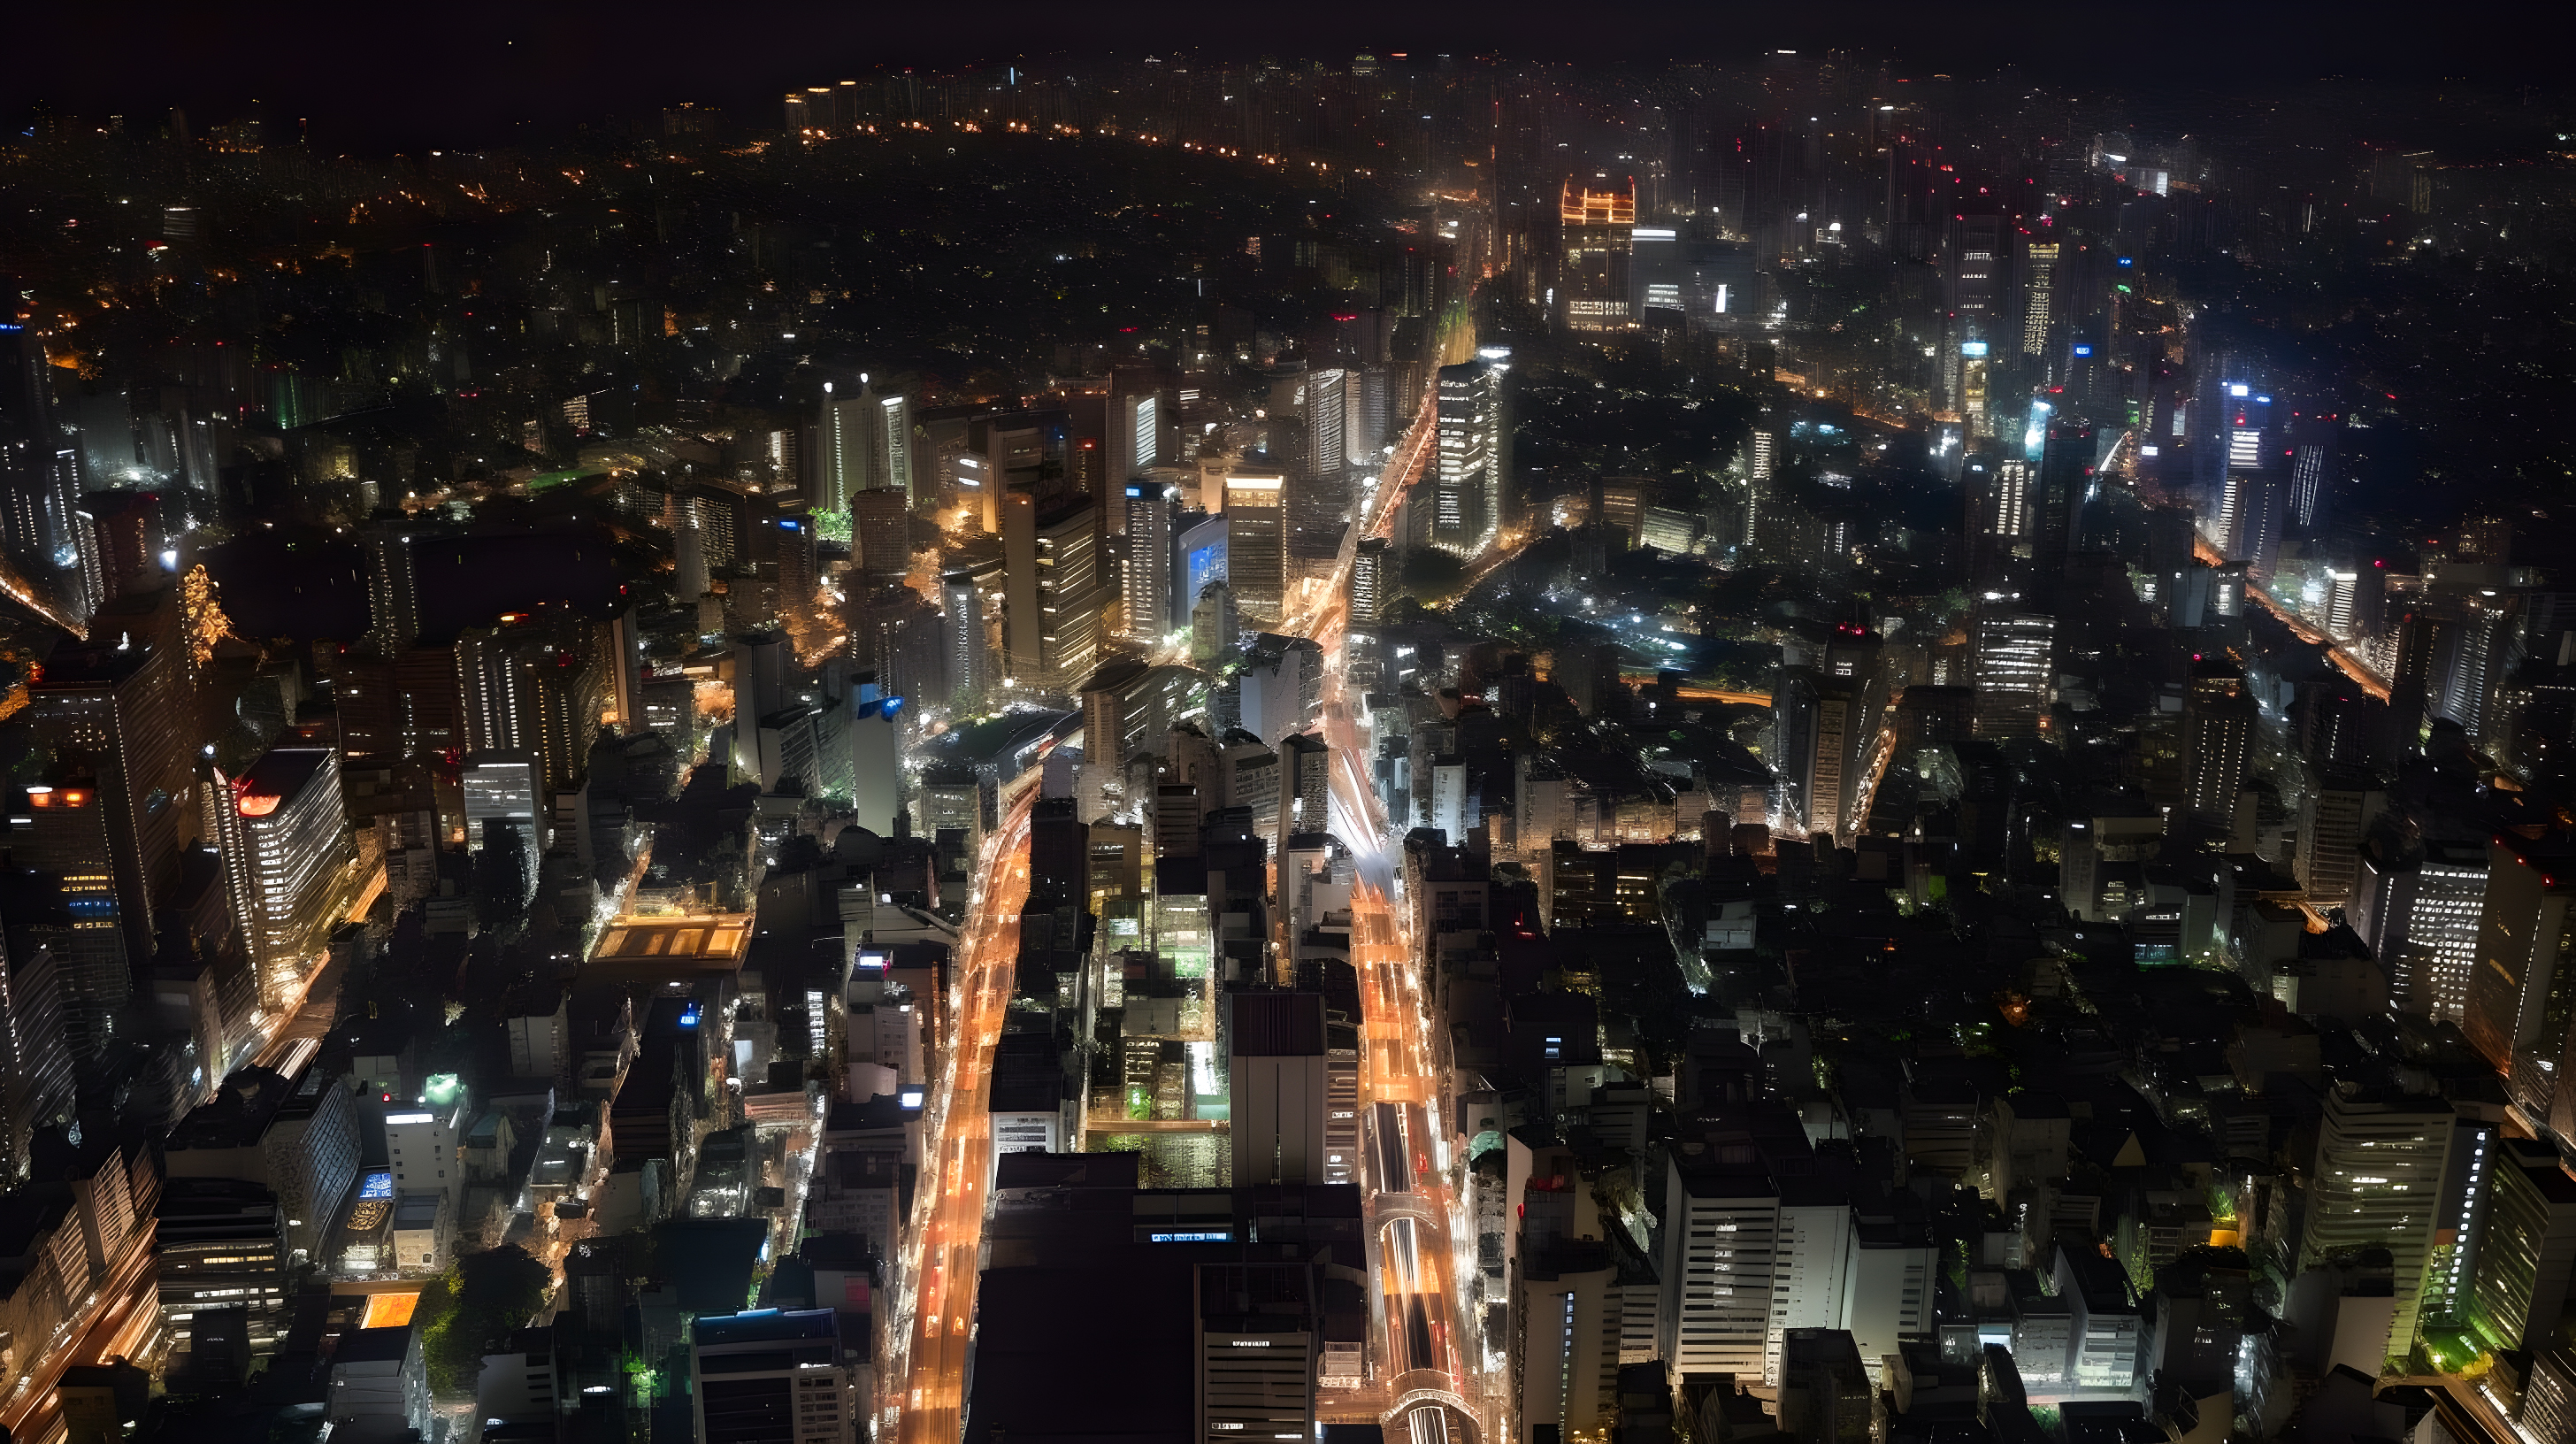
[(1177, 750)]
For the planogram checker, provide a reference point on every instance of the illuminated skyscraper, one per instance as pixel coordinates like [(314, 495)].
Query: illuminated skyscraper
[(2250, 512), (115, 709), (284, 843), (866, 445), (2420, 915), (36, 1086), (1466, 482), (1371, 584), (39, 470), (1974, 392), (1136, 420), (2335, 810), (2356, 601), (1145, 575), (1052, 623), (968, 629), (67, 834), (393, 588), (2522, 988), (2307, 484), (533, 685), (2218, 720), (1256, 539), (1018, 451), (1814, 727), (2378, 1182), (2039, 261), (2013, 651), (2520, 1276), (1597, 229), (1310, 430), (504, 790)]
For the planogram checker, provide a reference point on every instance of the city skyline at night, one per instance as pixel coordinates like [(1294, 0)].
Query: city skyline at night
[(831, 724)]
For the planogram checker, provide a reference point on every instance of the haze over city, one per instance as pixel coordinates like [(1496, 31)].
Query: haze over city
[(820, 724)]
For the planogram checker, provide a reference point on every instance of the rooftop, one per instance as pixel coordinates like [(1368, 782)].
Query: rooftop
[(387, 1345), (696, 942), (281, 772), (761, 1326)]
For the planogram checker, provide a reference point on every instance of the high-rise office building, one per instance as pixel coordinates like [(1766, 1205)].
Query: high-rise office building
[(2335, 811), (1564, 1348), (533, 685), (425, 1146), (114, 710), (866, 444), (876, 776), (1721, 1222), (1305, 783), (966, 625), (220, 1246), (2065, 480), (2356, 601), (1052, 623), (2549, 1389), (762, 665), (2418, 908), (881, 535), (1260, 1342), (1256, 540), (772, 1376), (1129, 706), (1597, 242), (2039, 255), (39, 468), (1310, 430), (2218, 722), (1813, 727), (2012, 661), (1145, 573), (2308, 486), (284, 845), (2523, 983), (1013, 452), (2250, 512), (1198, 558), (501, 787), (36, 1088), (2527, 1250), (1137, 418), (68, 834), (393, 585), (1214, 622), (1277, 1087), (2001, 498), (2382, 1161), (1372, 580), (1466, 484), (1825, 1394)]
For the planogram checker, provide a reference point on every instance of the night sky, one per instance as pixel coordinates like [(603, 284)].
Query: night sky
[(430, 74)]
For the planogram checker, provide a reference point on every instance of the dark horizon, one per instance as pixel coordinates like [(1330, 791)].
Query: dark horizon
[(482, 74)]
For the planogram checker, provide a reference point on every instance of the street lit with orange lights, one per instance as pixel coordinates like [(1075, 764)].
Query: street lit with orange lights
[(935, 1296), (1429, 1376)]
